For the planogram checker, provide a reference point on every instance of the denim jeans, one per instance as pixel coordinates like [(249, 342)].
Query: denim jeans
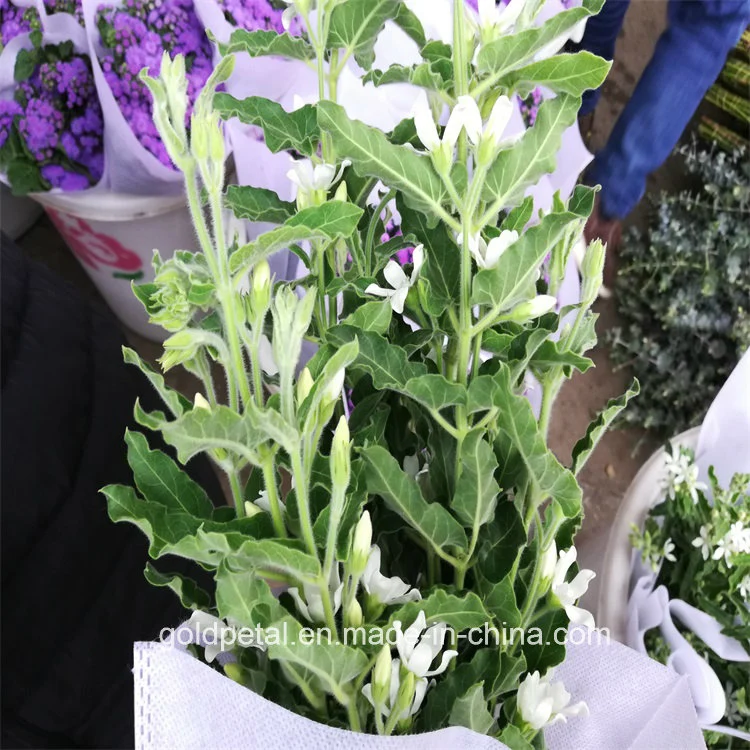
[(688, 58)]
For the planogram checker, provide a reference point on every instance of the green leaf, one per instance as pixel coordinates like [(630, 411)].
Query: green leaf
[(500, 544), (356, 24), (442, 268), (549, 355), (246, 598), (422, 75), (264, 43), (535, 154), (257, 204), (282, 556), (500, 600), (202, 430), (334, 664), (410, 24), (386, 363), (160, 480), (519, 216), (566, 74), (509, 281), (596, 430), (191, 595), (544, 470), (402, 494), (26, 62), (175, 532), (458, 612), (372, 316), (511, 51), (513, 737), (283, 130), (435, 391), (332, 220), (470, 711), (173, 399), (274, 427), (476, 490), (372, 155)]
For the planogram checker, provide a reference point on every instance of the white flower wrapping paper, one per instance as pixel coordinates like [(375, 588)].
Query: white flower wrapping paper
[(724, 443), (634, 703), (56, 29)]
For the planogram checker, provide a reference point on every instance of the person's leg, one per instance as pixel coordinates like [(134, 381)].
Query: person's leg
[(687, 60), (599, 39)]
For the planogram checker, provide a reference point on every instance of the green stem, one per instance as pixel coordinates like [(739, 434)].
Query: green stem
[(372, 228), (353, 713), (269, 479), (239, 501), (303, 503)]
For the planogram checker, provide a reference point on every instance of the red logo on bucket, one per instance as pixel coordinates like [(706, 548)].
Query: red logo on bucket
[(93, 249)]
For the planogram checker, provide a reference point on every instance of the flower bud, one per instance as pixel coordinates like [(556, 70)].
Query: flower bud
[(304, 385), (533, 308), (353, 617), (361, 544), (335, 387), (234, 672), (592, 271), (341, 455), (406, 694), (341, 192), (547, 564), (251, 509), (178, 348), (261, 292), (201, 403), (381, 676)]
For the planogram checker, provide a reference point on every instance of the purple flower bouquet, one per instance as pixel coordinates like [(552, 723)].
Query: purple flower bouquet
[(51, 129)]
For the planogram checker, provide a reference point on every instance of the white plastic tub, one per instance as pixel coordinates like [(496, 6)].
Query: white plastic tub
[(114, 237)]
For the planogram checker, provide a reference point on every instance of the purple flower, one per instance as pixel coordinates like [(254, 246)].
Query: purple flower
[(257, 15), (59, 177), (8, 110), (15, 21), (136, 34)]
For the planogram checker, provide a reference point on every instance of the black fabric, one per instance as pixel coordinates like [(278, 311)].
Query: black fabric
[(73, 593)]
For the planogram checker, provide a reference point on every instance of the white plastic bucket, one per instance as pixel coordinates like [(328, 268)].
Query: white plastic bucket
[(114, 237), (17, 214), (645, 491)]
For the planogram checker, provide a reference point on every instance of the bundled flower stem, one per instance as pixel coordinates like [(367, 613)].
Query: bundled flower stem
[(395, 486)]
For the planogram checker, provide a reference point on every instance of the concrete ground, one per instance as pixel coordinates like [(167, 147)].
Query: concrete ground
[(619, 455)]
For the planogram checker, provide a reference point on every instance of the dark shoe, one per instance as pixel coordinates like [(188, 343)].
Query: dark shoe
[(609, 231)]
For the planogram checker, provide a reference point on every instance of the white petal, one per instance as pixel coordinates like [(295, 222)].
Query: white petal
[(378, 291), (577, 709), (420, 660), (425, 124), (417, 259), (566, 559), (444, 662), (580, 616), (465, 115), (488, 13), (301, 606), (511, 13), (419, 693), (500, 116), (580, 584), (398, 300), (323, 176), (287, 16), (498, 246), (395, 275)]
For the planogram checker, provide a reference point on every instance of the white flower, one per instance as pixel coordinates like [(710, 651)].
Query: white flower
[(211, 632), (691, 483), (201, 403), (311, 179), (386, 590), (739, 538), (542, 703), (677, 467), (486, 254), (744, 587), (311, 607), (421, 686), (548, 562), (569, 593), (668, 551), (497, 19), (499, 119), (703, 541), (418, 646), (465, 115), (400, 282)]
